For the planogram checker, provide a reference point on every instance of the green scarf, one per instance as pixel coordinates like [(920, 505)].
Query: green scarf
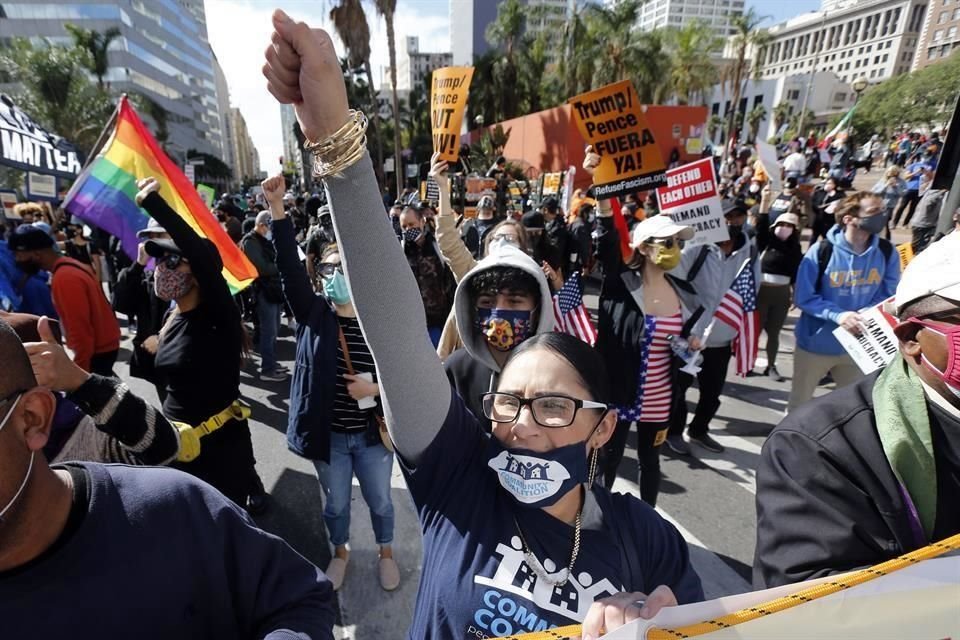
[(903, 424)]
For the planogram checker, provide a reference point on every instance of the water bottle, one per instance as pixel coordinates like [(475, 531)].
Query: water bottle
[(691, 358)]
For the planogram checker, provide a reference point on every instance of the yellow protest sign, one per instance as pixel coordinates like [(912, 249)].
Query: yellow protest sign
[(611, 119), (551, 184), (448, 101), (906, 254)]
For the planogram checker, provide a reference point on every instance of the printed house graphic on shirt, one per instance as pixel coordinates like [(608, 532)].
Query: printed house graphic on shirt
[(528, 470)]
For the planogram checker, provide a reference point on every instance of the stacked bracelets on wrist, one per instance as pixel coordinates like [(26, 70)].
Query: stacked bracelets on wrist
[(340, 149)]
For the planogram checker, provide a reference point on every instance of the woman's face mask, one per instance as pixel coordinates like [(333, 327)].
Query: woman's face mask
[(335, 288), (666, 258), (171, 284), (783, 231)]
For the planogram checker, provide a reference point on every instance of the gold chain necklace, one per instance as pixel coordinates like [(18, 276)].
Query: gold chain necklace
[(539, 569)]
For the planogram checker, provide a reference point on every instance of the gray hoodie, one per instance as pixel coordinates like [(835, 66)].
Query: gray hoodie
[(502, 256)]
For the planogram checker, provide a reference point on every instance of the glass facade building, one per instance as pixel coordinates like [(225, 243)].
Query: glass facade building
[(162, 52)]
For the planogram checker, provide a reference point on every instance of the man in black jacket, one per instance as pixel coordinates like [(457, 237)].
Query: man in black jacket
[(872, 470), (258, 246)]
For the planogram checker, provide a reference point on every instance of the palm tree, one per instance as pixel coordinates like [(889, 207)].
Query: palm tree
[(96, 44), (748, 36), (387, 9), (350, 22), (506, 34), (714, 124), (612, 42), (781, 114), (757, 115), (692, 68)]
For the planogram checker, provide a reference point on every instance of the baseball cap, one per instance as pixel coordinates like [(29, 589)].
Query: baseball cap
[(160, 248), (787, 218), (152, 227), (486, 202), (731, 207), (29, 238), (934, 271), (660, 226)]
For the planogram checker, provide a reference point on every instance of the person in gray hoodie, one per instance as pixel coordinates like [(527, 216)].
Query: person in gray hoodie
[(501, 302)]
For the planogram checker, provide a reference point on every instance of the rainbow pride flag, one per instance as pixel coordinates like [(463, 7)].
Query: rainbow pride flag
[(104, 194)]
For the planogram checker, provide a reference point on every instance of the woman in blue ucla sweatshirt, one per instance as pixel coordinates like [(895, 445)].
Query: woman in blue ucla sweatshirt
[(852, 269)]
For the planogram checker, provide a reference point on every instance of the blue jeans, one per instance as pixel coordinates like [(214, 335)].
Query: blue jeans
[(268, 316), (349, 456)]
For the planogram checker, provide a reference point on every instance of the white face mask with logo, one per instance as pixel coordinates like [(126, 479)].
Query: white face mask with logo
[(26, 476)]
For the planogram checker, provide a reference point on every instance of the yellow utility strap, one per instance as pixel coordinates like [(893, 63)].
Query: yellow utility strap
[(190, 436), (774, 606)]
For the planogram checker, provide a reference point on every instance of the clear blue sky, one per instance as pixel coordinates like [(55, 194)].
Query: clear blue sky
[(780, 10)]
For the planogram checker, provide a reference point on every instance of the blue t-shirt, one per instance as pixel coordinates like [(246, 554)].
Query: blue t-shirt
[(158, 554), (475, 581), (913, 184)]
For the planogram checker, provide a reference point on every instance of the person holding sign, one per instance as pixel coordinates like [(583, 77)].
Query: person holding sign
[(851, 269), (872, 471), (648, 306), (511, 521)]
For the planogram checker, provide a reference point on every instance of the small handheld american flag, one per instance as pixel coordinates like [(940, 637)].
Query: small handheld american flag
[(738, 308), (570, 312)]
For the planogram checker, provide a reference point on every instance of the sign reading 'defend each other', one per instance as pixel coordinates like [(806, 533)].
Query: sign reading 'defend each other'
[(611, 120), (27, 146), (690, 198)]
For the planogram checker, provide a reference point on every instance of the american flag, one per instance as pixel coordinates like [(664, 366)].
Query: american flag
[(738, 308), (571, 314)]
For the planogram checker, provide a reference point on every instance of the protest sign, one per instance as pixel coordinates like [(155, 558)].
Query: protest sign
[(41, 187), (551, 183), (768, 159), (207, 194), (876, 345), (690, 197), (448, 102), (611, 120), (191, 173), (567, 198), (26, 146), (430, 191), (916, 601), (9, 200), (906, 254)]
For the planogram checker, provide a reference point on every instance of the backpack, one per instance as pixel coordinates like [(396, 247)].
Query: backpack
[(825, 251)]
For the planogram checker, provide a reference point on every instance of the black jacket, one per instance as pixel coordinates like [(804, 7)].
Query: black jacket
[(135, 298), (827, 499), (778, 257), (471, 378)]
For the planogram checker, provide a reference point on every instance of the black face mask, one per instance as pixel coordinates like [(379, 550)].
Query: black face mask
[(29, 267), (735, 230)]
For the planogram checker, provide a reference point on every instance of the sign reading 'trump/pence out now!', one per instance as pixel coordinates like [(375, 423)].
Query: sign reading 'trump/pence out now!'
[(611, 120), (448, 101)]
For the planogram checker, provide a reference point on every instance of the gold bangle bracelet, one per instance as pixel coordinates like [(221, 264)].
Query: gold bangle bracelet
[(341, 149)]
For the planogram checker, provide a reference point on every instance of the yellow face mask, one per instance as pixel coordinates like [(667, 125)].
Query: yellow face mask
[(665, 258)]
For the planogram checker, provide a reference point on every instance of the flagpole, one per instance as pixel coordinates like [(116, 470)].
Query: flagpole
[(101, 141)]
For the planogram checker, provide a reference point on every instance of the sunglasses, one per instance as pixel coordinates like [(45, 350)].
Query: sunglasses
[(172, 260), (327, 269), (667, 243)]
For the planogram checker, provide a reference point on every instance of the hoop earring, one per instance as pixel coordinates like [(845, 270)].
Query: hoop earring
[(594, 457)]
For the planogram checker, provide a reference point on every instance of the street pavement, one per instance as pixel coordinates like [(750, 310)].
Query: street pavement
[(709, 497)]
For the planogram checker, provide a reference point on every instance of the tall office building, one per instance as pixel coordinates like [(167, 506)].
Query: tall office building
[(469, 20), (414, 66), (940, 34), (717, 14), (245, 154), (162, 52), (223, 110)]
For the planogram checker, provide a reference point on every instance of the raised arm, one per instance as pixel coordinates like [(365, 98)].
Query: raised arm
[(297, 285), (205, 267), (452, 247), (302, 68)]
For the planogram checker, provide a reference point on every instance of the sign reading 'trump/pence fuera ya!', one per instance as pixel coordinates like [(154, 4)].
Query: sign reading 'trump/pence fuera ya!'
[(611, 120)]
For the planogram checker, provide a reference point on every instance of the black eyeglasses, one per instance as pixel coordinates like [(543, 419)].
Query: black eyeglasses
[(666, 242), (327, 269), (552, 411), (12, 396), (172, 260)]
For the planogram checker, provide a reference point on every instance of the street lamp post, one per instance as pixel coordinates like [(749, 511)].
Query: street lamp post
[(858, 86)]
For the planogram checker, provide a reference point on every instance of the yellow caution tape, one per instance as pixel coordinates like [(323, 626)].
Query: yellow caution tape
[(774, 606)]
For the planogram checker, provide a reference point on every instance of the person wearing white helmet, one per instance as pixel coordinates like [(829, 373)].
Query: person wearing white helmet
[(872, 470)]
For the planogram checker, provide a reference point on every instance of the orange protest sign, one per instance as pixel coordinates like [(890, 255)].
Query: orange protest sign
[(611, 119), (448, 101)]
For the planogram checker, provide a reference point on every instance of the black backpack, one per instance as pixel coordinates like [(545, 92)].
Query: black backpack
[(825, 251)]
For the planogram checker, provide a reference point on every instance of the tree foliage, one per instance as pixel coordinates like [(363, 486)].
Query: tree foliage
[(96, 44), (923, 98), (54, 89)]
